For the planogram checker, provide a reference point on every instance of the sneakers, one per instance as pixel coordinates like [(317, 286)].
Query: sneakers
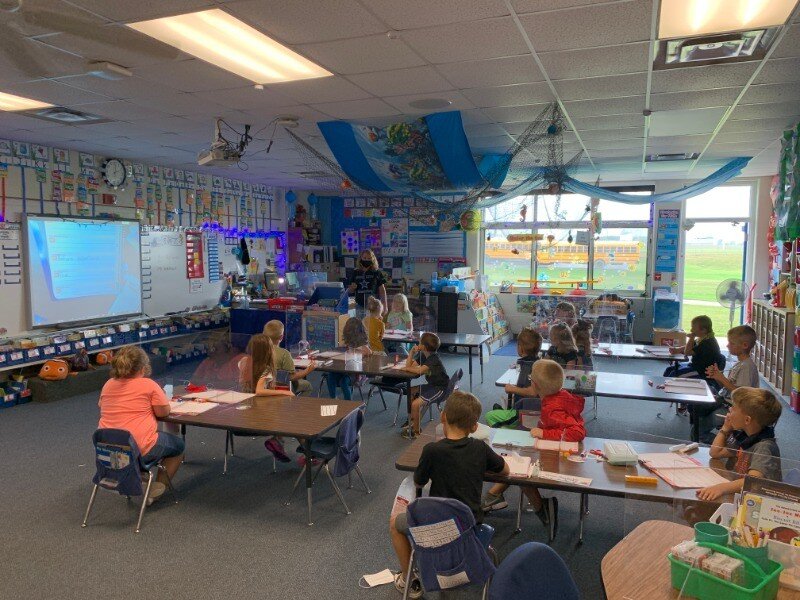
[(156, 491), (301, 460), (408, 433), (549, 516), (497, 406), (414, 590), (274, 446), (491, 502)]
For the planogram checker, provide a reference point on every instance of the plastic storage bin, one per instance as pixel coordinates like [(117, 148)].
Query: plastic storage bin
[(759, 584)]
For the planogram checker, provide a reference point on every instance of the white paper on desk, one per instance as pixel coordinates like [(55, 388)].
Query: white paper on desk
[(190, 407), (686, 390), (571, 479), (513, 437), (331, 354), (519, 466), (328, 410), (658, 350), (668, 460), (220, 396), (691, 478), (301, 363), (697, 384), (557, 445)]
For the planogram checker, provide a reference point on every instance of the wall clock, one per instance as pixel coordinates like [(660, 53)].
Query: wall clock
[(114, 173)]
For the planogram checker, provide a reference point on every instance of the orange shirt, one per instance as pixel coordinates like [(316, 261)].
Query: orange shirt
[(128, 404)]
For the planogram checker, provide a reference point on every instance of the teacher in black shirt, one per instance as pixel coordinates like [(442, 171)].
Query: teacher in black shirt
[(368, 280)]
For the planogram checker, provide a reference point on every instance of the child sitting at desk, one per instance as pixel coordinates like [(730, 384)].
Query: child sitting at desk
[(374, 325), (741, 341), (399, 319), (354, 337), (747, 440), (561, 419), (284, 361), (529, 345), (582, 331), (436, 377), (130, 400), (562, 346), (565, 313), (455, 466)]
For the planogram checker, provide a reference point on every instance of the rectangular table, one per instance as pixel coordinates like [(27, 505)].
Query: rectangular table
[(630, 351), (607, 480), (636, 387), (469, 341), (289, 416)]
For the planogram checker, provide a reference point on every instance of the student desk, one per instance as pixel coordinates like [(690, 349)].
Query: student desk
[(635, 387), (297, 417), (637, 567), (469, 341), (631, 351), (607, 480)]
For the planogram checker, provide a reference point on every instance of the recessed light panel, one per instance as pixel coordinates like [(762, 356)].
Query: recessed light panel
[(686, 18), (12, 103), (223, 40)]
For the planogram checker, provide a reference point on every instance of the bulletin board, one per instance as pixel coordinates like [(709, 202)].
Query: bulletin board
[(13, 316)]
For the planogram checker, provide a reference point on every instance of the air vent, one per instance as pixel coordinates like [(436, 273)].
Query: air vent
[(712, 49), (66, 116), (671, 157)]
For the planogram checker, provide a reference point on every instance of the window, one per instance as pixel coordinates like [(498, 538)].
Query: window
[(548, 252)]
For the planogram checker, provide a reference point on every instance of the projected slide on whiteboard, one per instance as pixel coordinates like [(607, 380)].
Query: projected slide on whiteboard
[(82, 269)]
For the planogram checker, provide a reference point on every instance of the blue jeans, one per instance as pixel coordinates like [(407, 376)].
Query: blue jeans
[(167, 445), (342, 381)]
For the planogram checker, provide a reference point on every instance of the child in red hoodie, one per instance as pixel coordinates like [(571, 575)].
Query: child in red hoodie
[(561, 419)]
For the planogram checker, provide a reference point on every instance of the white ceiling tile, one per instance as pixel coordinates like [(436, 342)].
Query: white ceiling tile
[(53, 92), (363, 55), (123, 10), (596, 62), (515, 114), (322, 89), (685, 122), (762, 94), (177, 103), (627, 133), (526, 6), (417, 80), (495, 71), (402, 103), (476, 40), (632, 153), (780, 70), (410, 14), (703, 78), (510, 95), (609, 106), (602, 87), (607, 24), (764, 111), (614, 144), (778, 124), (130, 87), (747, 137), (357, 109), (485, 130), (476, 116), (612, 122), (692, 100), (191, 75), (38, 61), (246, 98), (307, 21), (122, 110), (790, 44)]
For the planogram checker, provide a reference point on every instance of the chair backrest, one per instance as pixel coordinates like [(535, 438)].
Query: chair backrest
[(117, 462), (448, 553), (453, 382), (792, 477), (531, 571), (347, 453)]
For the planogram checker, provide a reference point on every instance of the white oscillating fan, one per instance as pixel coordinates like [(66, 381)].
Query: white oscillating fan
[(731, 294)]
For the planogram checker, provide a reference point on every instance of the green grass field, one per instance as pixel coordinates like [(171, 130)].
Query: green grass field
[(706, 267)]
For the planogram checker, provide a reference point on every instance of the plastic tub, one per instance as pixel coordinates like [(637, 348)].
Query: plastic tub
[(710, 532)]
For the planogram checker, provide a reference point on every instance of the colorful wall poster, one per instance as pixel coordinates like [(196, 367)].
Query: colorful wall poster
[(350, 241), (395, 237), (370, 238)]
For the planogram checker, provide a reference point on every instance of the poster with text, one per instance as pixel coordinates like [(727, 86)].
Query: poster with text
[(371, 239), (350, 241), (395, 237)]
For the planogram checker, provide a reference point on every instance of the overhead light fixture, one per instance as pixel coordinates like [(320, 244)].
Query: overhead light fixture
[(709, 49), (70, 116), (11, 103), (103, 69), (671, 157), (223, 40), (685, 18)]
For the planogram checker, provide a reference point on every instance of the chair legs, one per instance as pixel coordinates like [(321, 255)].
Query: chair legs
[(408, 574), (296, 483), (584, 510), (325, 466), (91, 502), (336, 489), (397, 412), (361, 477), (145, 496), (169, 483), (322, 380)]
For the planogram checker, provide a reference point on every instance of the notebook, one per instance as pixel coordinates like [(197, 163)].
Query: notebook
[(190, 407), (521, 438), (220, 396), (680, 471)]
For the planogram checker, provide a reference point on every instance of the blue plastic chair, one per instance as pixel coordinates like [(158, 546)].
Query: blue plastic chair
[(792, 477), (344, 448), (119, 468), (531, 571), (449, 549)]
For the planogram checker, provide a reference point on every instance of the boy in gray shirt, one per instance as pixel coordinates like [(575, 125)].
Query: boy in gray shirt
[(747, 441), (744, 373)]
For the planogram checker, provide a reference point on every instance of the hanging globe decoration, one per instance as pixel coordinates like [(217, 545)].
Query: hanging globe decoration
[(291, 198), (312, 206), (470, 220)]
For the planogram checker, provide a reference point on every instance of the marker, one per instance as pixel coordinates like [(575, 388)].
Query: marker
[(641, 480)]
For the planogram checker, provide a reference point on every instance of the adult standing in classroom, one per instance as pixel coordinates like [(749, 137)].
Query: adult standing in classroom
[(368, 280)]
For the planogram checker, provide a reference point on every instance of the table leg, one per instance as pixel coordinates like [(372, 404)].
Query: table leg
[(469, 349), (518, 529), (309, 477), (480, 349), (183, 435), (510, 401), (695, 422)]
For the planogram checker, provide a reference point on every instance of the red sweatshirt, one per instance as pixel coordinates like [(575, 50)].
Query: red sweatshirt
[(561, 414)]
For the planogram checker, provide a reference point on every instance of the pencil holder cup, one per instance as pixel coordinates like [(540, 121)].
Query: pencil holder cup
[(760, 556), (710, 532)]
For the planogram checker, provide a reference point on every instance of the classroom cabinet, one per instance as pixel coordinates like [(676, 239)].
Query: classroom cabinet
[(774, 344)]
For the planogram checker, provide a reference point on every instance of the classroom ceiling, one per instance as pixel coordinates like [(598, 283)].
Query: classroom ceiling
[(497, 61)]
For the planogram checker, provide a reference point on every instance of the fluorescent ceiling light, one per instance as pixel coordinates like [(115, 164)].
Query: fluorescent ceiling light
[(684, 18), (222, 40), (13, 103)]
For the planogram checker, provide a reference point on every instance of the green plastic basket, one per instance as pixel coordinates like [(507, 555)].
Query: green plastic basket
[(759, 584)]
